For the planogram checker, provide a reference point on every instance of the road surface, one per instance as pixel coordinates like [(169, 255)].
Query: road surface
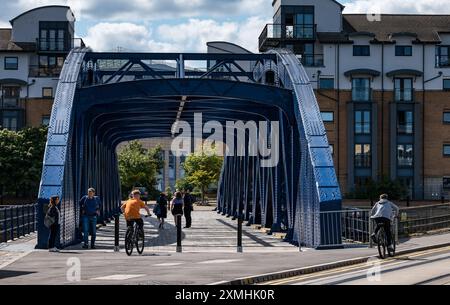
[(422, 268)]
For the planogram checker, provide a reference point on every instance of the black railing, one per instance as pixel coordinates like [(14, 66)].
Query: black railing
[(42, 71), (17, 221), (283, 31), (59, 45), (424, 219)]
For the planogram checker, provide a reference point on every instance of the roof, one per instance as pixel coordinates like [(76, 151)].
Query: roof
[(9, 46), (14, 81), (363, 72), (425, 27), (39, 8), (404, 72), (5, 34), (338, 3)]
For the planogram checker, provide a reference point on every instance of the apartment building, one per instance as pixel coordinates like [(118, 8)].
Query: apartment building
[(383, 86), (32, 54)]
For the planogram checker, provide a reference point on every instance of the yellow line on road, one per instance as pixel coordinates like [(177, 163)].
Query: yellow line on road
[(388, 263)]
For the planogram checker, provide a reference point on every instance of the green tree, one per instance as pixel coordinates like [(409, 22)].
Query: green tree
[(138, 167), (21, 156), (202, 170)]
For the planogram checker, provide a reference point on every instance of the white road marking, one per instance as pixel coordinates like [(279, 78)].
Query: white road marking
[(118, 277), (220, 261), (168, 264)]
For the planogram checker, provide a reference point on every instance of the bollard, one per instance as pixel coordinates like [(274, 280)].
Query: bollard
[(116, 233), (239, 235), (179, 247)]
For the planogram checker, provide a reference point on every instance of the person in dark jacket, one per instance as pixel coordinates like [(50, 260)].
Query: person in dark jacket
[(161, 209), (188, 208), (53, 211), (90, 210), (176, 206)]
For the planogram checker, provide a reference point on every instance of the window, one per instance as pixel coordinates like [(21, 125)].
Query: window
[(403, 51), (362, 122), (53, 36), (443, 56), (11, 120), (447, 150), (361, 89), (363, 156), (405, 155), (403, 89), (446, 183), (326, 83), (447, 117), (361, 50), (47, 92), (45, 120), (405, 122), (327, 116), (50, 65), (446, 85), (11, 96), (11, 63)]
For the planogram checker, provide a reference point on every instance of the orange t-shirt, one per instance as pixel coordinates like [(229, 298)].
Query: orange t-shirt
[(132, 209)]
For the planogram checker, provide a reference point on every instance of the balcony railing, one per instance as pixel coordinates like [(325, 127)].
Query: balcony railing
[(42, 71), (11, 103), (59, 45), (288, 32), (402, 95)]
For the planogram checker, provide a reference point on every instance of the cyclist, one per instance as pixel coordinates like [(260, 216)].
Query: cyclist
[(383, 213), (132, 208)]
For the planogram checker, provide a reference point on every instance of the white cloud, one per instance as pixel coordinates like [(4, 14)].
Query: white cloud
[(398, 6), (190, 36)]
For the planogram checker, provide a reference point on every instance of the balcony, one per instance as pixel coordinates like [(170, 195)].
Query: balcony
[(42, 71), (404, 95), (55, 45), (273, 34)]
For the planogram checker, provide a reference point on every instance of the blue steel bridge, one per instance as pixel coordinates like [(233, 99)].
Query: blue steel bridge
[(104, 99)]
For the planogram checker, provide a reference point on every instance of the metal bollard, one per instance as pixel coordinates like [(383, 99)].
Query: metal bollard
[(116, 233), (239, 235), (179, 247)]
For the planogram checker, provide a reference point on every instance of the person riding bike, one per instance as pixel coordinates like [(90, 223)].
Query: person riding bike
[(383, 213), (132, 208)]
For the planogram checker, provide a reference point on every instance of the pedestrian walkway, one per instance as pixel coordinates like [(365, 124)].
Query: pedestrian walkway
[(210, 232)]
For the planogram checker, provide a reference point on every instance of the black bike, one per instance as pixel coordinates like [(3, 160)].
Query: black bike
[(135, 238), (383, 247)]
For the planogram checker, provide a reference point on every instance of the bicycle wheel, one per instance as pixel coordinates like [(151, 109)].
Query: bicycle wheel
[(140, 241), (394, 247), (129, 241), (381, 243)]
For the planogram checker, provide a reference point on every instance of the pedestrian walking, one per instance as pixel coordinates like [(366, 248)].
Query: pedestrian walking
[(52, 222), (90, 210), (160, 209), (176, 206), (188, 208)]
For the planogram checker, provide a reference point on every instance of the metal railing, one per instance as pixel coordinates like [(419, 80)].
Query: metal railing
[(424, 219), (59, 44), (17, 221), (41, 71), (283, 31)]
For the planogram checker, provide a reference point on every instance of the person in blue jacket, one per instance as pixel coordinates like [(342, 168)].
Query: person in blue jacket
[(90, 210)]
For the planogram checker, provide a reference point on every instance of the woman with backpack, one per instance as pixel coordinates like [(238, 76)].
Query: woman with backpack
[(52, 222), (161, 209), (176, 206)]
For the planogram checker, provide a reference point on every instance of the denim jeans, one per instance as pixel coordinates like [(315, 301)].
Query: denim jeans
[(89, 225)]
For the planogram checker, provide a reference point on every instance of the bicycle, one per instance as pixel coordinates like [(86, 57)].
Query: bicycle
[(135, 237), (382, 244)]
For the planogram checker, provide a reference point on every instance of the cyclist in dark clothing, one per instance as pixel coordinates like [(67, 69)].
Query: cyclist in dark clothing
[(188, 208), (54, 213)]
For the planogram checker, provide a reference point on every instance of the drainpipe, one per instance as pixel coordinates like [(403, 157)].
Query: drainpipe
[(382, 110), (27, 99), (338, 102), (423, 121)]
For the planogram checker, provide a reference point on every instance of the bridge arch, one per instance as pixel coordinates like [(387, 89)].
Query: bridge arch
[(95, 109)]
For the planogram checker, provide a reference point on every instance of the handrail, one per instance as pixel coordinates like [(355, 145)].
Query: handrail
[(17, 221)]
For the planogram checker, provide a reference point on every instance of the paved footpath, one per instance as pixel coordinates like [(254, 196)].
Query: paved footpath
[(210, 256)]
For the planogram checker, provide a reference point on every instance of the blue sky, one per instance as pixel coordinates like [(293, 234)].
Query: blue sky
[(186, 25)]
